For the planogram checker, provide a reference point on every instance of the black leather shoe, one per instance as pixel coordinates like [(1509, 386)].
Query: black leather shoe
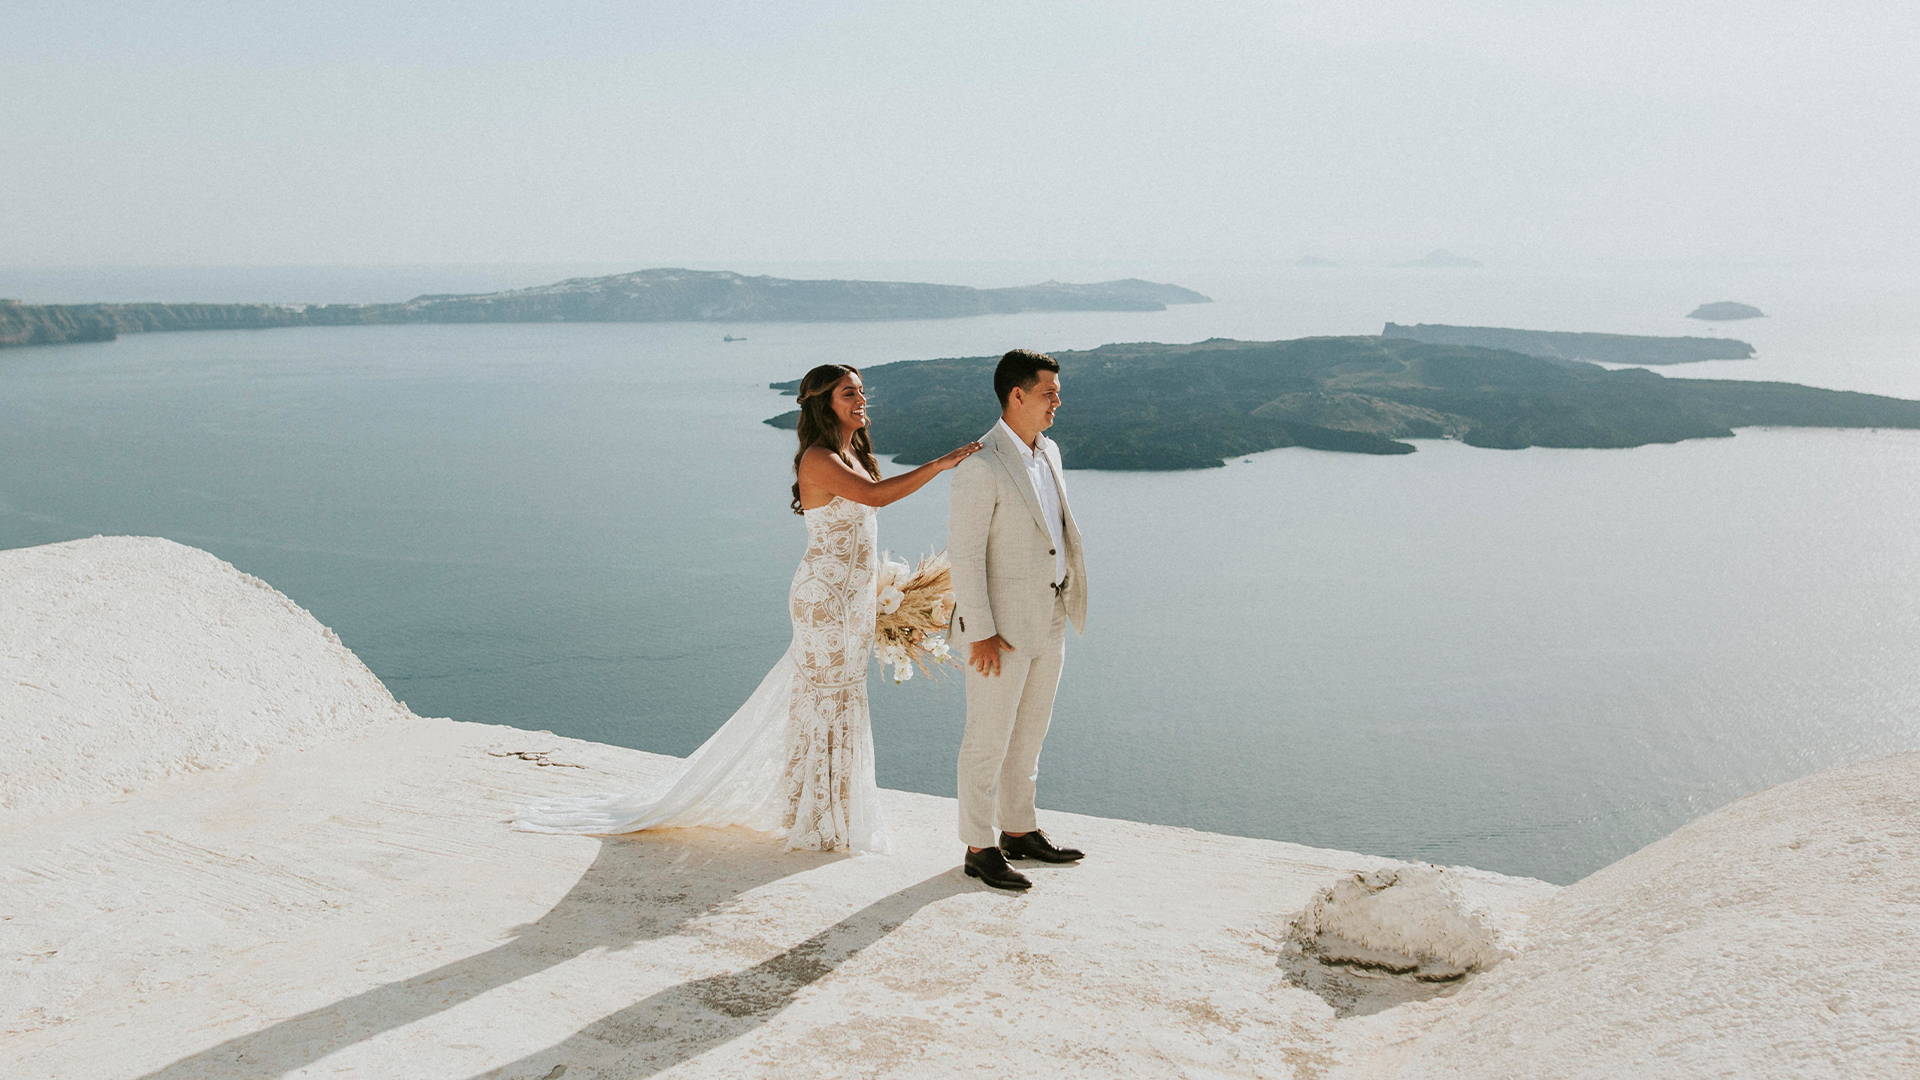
[(1035, 845), (990, 866)]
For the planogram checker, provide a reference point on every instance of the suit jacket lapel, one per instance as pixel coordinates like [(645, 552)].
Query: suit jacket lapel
[(1006, 451), (1069, 527)]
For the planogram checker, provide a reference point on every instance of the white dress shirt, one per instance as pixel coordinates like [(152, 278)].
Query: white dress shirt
[(1040, 471)]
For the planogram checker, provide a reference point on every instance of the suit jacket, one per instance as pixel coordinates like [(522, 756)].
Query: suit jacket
[(1002, 551)]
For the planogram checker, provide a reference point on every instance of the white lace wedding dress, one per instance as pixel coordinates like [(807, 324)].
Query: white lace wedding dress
[(797, 759)]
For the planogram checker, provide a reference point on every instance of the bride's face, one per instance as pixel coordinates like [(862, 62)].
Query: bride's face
[(850, 402)]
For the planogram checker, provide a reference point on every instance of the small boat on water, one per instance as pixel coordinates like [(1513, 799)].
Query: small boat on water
[(730, 337)]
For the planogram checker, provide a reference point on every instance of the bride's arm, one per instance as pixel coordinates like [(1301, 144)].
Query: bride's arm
[(822, 470)]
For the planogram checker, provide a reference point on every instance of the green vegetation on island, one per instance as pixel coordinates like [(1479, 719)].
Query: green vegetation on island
[(661, 295), (1154, 406), (57, 324), (1561, 345)]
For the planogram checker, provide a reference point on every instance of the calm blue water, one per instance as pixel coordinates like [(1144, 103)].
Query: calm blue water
[(1533, 662)]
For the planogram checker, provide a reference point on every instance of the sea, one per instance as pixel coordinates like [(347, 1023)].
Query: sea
[(1533, 662)]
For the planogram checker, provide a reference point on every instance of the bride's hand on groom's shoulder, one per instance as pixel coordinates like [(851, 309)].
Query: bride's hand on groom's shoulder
[(956, 456)]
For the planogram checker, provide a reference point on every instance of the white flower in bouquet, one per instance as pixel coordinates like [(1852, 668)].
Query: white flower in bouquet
[(913, 605)]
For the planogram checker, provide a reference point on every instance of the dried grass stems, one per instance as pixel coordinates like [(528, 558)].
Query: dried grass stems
[(915, 607)]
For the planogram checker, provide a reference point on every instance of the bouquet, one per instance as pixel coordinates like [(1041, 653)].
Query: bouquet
[(914, 608)]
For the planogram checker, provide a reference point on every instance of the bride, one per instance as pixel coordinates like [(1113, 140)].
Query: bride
[(797, 759)]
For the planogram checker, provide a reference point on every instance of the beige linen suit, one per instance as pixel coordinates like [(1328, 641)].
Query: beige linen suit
[(1003, 577)]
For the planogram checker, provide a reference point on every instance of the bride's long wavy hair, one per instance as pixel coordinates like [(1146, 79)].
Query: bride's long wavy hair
[(820, 427)]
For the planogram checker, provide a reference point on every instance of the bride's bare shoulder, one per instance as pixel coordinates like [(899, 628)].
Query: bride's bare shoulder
[(819, 459)]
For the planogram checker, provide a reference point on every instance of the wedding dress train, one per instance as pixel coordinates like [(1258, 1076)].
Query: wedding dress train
[(797, 759)]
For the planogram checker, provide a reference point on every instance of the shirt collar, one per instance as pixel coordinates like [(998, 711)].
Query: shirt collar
[(1026, 451)]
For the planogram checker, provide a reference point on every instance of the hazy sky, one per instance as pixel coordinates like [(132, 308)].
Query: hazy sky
[(261, 133)]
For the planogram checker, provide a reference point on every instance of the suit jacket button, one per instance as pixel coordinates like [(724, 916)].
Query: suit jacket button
[(1050, 551)]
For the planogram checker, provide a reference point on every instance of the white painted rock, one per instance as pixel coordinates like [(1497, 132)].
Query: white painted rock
[(1414, 919)]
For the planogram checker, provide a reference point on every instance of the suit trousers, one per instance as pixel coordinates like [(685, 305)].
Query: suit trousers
[(1007, 718)]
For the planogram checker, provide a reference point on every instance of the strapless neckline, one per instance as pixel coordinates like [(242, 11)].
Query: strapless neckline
[(828, 505)]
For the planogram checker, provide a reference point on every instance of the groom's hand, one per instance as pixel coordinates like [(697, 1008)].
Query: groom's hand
[(986, 655)]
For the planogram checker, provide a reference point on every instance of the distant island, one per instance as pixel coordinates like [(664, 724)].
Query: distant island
[(59, 324), (1561, 345), (660, 295), (1154, 406), (1725, 309), (1441, 257)]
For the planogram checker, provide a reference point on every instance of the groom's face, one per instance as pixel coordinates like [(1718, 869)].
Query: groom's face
[(1037, 405)]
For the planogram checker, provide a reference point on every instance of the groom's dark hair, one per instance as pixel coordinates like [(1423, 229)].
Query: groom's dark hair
[(1021, 368)]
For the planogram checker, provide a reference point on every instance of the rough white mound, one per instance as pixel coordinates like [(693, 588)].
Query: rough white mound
[(1775, 937), (125, 659), (1431, 922)]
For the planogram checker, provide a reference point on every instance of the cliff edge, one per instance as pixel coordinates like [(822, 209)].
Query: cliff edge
[(233, 854)]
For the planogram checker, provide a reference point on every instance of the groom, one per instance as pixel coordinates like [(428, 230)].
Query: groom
[(1018, 577)]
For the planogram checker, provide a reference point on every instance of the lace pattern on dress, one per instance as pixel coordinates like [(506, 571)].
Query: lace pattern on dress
[(796, 759), (829, 743)]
